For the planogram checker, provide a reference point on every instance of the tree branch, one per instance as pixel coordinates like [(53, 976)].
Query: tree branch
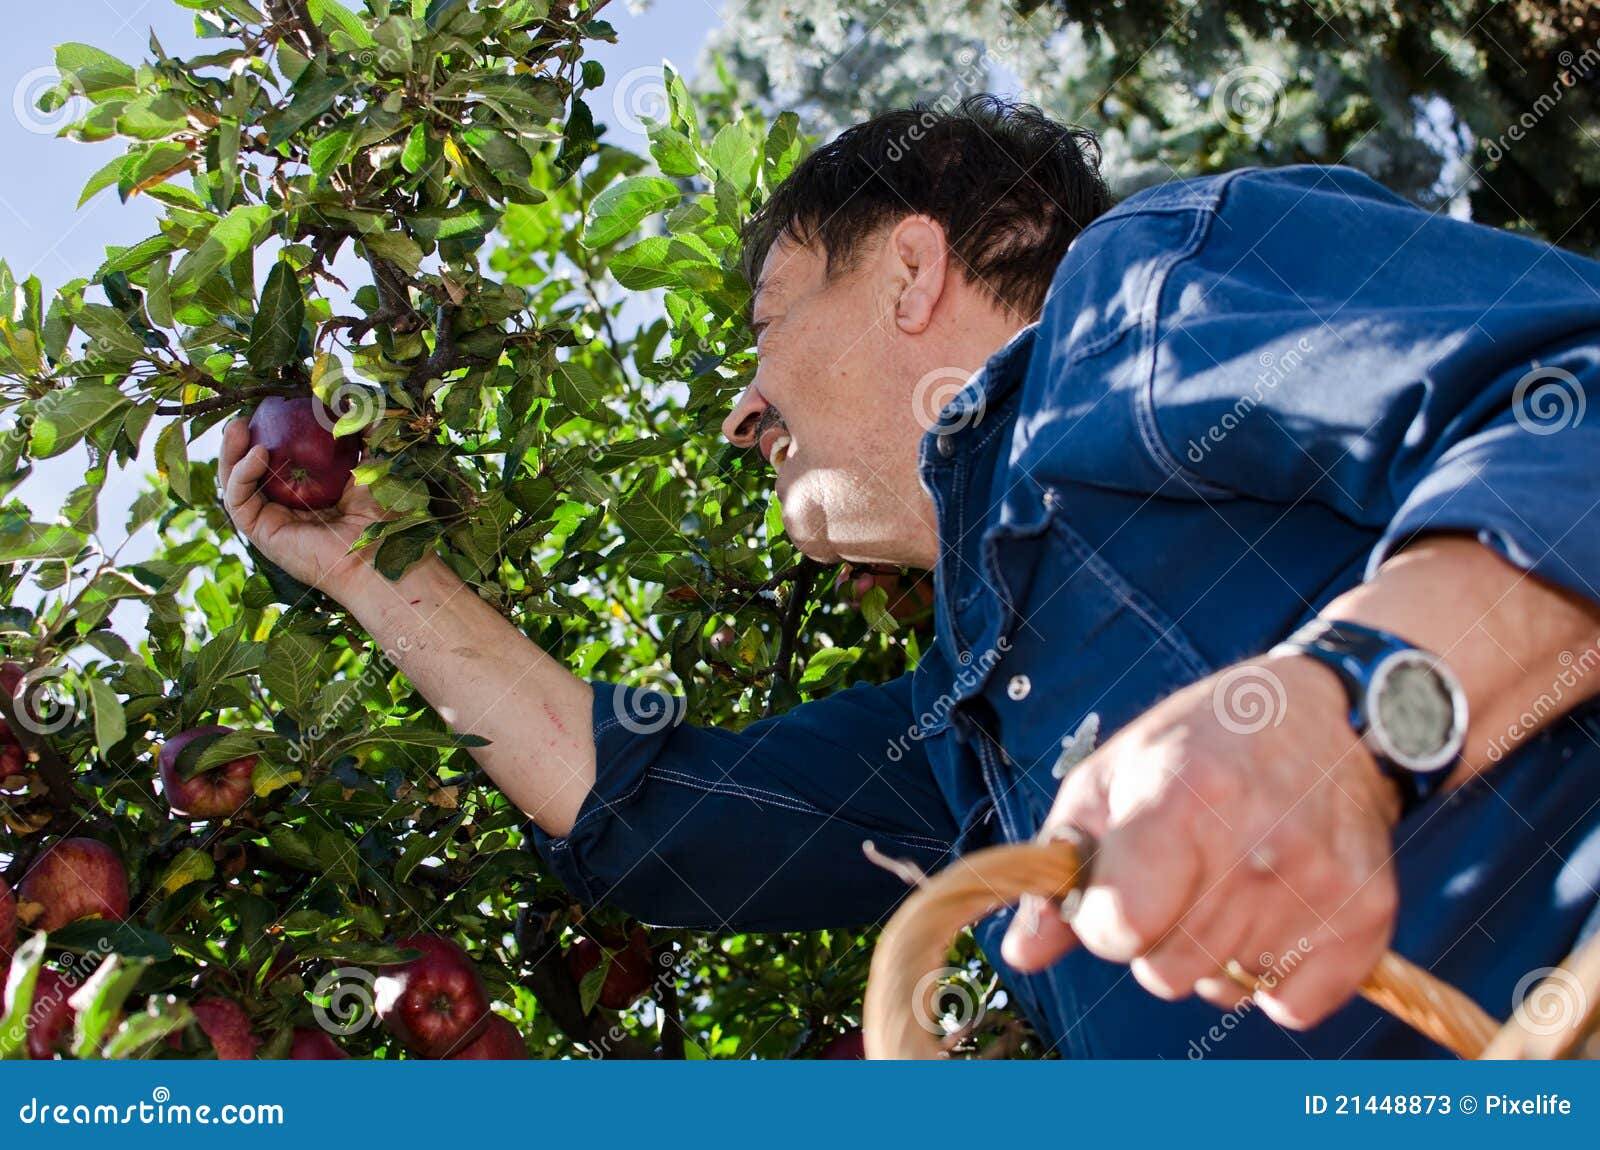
[(231, 397)]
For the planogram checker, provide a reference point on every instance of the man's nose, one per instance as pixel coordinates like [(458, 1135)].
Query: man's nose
[(740, 426)]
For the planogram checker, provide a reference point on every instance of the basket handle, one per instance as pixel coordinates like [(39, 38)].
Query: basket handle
[(917, 938)]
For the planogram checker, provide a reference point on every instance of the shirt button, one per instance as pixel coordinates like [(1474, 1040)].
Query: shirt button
[(947, 445), (1019, 687)]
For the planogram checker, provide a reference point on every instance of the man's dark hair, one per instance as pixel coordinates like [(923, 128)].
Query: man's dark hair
[(1010, 187)]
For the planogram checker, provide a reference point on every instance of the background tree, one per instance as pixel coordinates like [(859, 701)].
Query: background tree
[(405, 210), (1478, 106)]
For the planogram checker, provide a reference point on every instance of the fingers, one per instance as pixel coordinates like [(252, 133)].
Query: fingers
[(1130, 905), (1038, 937), (240, 469)]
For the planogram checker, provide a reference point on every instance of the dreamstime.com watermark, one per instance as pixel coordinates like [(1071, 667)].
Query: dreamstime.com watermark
[(1274, 370), (382, 666), (1573, 69), (1276, 970), (971, 671), (1551, 702), (1249, 699), (157, 1110)]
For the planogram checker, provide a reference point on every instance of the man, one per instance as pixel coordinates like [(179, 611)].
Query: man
[(1235, 407)]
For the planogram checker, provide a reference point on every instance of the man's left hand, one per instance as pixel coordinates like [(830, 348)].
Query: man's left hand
[(1239, 819)]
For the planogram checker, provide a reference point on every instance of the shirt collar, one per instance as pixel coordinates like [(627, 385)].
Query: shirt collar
[(987, 387)]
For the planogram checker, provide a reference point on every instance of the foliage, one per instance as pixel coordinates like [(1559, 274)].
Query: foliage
[(1476, 105), (563, 464)]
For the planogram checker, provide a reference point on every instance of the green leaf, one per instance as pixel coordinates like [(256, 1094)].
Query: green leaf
[(415, 154), (501, 152), (675, 154), (20, 981), (142, 1032), (471, 220), (236, 233), (654, 514), (110, 724), (328, 152), (293, 670), (733, 154), (333, 16), (662, 261), (397, 247), (22, 540), (275, 331), (827, 667), (103, 936), (783, 147), (63, 417), (593, 981), (624, 205), (106, 177), (99, 1001), (172, 460), (272, 776), (875, 606), (187, 866), (423, 845), (93, 72)]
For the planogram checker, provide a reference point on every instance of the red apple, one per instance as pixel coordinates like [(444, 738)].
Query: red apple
[(73, 879), (8, 923), (50, 1018), (852, 1044), (631, 972), (216, 793), (226, 1024), (723, 639), (909, 596), (312, 1044), (434, 1004), (13, 758), (306, 466), (499, 1041)]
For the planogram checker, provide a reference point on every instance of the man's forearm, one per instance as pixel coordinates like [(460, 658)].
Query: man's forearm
[(1511, 638), (486, 678)]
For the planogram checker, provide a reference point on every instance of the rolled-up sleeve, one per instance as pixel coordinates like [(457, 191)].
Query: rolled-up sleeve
[(757, 829)]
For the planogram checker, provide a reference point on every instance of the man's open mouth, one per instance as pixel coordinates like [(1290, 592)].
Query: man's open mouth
[(776, 446)]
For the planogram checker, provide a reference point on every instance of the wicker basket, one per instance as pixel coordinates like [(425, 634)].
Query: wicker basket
[(915, 943)]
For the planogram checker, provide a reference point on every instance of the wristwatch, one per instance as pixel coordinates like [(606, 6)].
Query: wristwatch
[(1405, 703)]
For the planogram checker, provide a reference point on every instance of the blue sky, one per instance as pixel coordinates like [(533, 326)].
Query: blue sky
[(43, 233)]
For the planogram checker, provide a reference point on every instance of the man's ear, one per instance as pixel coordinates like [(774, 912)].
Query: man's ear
[(919, 257)]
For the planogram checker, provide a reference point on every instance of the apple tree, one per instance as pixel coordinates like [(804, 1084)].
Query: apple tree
[(230, 827)]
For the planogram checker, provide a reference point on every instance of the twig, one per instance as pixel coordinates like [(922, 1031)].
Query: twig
[(230, 398)]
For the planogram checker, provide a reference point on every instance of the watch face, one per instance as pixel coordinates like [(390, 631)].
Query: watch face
[(1416, 711)]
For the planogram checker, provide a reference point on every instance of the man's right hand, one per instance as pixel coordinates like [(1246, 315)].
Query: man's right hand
[(312, 546), (481, 674)]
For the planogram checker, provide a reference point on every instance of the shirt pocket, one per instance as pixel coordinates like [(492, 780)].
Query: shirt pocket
[(1083, 641)]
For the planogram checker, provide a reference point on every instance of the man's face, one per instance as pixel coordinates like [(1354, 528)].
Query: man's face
[(828, 410)]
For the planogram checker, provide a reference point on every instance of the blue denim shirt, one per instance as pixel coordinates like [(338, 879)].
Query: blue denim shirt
[(1244, 392)]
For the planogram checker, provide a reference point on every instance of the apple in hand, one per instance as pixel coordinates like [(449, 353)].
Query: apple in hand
[(74, 878), (216, 793), (226, 1024), (631, 972), (309, 1045), (435, 1004), (500, 1041), (306, 466)]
